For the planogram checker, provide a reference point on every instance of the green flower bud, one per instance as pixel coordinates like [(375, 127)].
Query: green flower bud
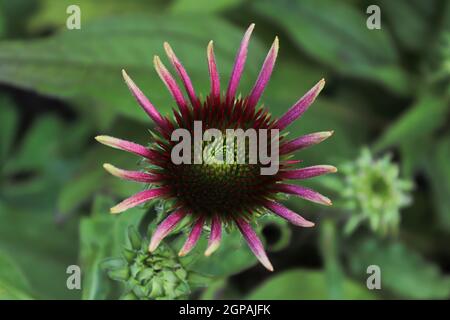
[(156, 275), (374, 192)]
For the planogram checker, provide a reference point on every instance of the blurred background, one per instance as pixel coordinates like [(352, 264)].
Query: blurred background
[(387, 93)]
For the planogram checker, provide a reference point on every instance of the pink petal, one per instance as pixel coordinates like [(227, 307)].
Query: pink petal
[(215, 236), (130, 175), (304, 193), (143, 101), (307, 172), (287, 214), (300, 106), (165, 228), (193, 237), (264, 75), (138, 198), (239, 64), (171, 84), (304, 141), (126, 146), (213, 73), (182, 74), (254, 243)]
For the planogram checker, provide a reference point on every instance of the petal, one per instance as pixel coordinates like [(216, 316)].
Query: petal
[(304, 141), (138, 198), (213, 73), (239, 64), (171, 84), (304, 193), (300, 106), (182, 74), (130, 175), (193, 237), (143, 101), (165, 228), (307, 172), (254, 243), (264, 75), (287, 214), (215, 236), (126, 146)]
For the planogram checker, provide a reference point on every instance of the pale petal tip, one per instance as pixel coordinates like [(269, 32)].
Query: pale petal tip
[(266, 263), (210, 48), (262, 257), (212, 248), (112, 169), (320, 85), (326, 201), (109, 167), (276, 43), (154, 243), (157, 61), (308, 224), (103, 139), (168, 50), (116, 209), (251, 27)]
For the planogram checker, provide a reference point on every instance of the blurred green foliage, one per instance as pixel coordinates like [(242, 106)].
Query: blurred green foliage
[(388, 89)]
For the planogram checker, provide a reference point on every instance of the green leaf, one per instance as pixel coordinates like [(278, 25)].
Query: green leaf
[(8, 123), (102, 235), (80, 190), (420, 120), (42, 248), (53, 13), (340, 40), (203, 6), (438, 170), (40, 144), (329, 248), (233, 256), (410, 21), (83, 66), (301, 284), (403, 271), (13, 283)]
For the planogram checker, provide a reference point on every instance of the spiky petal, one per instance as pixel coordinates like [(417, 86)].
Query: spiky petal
[(239, 64), (125, 145), (143, 101), (264, 75), (304, 141), (254, 243), (215, 236), (165, 228), (300, 106), (308, 172), (181, 71), (287, 214), (303, 192), (171, 85), (193, 237), (213, 73), (138, 198), (130, 175)]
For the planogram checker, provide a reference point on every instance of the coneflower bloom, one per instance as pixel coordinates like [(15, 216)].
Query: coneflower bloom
[(218, 194)]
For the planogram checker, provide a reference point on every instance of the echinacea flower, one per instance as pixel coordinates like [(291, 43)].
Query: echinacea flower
[(218, 194)]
